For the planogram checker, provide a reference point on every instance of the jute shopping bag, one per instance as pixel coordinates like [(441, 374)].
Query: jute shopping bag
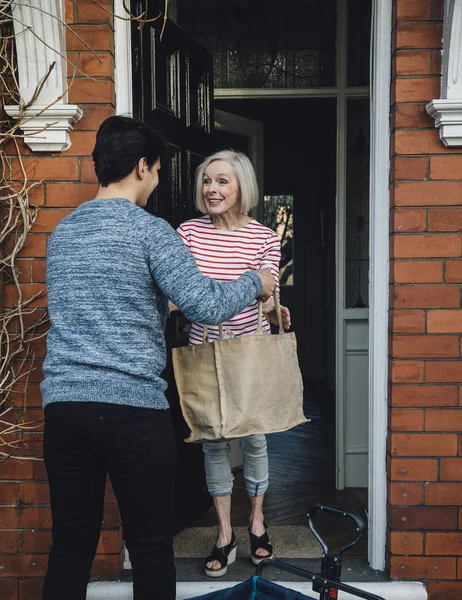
[(232, 388)]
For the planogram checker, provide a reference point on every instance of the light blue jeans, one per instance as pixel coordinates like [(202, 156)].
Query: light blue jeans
[(218, 471)]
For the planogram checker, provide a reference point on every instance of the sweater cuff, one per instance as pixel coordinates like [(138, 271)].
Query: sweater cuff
[(256, 280)]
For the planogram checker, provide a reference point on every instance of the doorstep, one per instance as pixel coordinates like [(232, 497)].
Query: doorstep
[(390, 590)]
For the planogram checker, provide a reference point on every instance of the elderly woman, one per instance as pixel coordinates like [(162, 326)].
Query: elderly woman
[(226, 242)]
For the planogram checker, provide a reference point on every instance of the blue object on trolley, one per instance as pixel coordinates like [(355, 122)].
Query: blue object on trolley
[(254, 588)]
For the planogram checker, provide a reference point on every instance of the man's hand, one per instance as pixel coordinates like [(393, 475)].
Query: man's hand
[(269, 310), (268, 283)]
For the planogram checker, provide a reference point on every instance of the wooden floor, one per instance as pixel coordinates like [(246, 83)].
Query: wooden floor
[(302, 472)]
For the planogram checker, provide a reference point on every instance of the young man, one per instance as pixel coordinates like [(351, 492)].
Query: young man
[(111, 268)]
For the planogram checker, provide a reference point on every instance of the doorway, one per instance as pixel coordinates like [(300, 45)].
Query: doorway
[(331, 245)]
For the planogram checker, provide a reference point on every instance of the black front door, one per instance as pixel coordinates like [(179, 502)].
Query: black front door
[(172, 90)]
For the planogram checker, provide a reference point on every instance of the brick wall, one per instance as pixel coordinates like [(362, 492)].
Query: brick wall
[(68, 180), (425, 446)]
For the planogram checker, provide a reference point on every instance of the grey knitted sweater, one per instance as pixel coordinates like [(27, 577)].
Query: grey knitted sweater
[(111, 267)]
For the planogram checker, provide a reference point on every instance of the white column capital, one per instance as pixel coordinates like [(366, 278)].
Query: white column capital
[(46, 129), (447, 110), (40, 41)]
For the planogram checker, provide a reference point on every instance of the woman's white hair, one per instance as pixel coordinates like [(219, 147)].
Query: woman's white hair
[(245, 176)]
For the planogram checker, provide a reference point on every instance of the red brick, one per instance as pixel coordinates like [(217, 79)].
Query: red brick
[(20, 565), (107, 565), (69, 194), (9, 542), (92, 92), (9, 492), (422, 346), (406, 542), (48, 218), (444, 590), (428, 193), (408, 168), (87, 170), (9, 518), (444, 321), (443, 494), (421, 141), (412, 116), (443, 544), (110, 542), (417, 444), (407, 321), (436, 62), (69, 11), (55, 169), (444, 420), (28, 291), (36, 245), (36, 542), (39, 270), (34, 493), (23, 270), (444, 371), (407, 371), (94, 37), (101, 65), (405, 219), (82, 143), (93, 116), (404, 567), (16, 469), (413, 62), (409, 494), (423, 395), (445, 219), (35, 517), (446, 167), (426, 296), (451, 469), (409, 10), (418, 271), (421, 518), (9, 589), (421, 35), (40, 473), (407, 420), (453, 271), (414, 469), (422, 89), (89, 12)]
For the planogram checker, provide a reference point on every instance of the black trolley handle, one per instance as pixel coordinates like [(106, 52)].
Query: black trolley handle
[(336, 511), (315, 579)]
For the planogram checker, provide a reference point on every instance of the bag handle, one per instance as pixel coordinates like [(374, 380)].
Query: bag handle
[(277, 305)]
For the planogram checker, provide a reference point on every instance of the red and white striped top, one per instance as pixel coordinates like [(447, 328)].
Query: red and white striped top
[(225, 255)]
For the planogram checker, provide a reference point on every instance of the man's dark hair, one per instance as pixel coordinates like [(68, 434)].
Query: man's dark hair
[(120, 143)]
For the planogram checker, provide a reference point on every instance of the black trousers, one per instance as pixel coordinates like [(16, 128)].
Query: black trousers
[(83, 442)]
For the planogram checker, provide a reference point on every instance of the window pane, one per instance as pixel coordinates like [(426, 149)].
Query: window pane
[(359, 36), (263, 44), (279, 216), (357, 205)]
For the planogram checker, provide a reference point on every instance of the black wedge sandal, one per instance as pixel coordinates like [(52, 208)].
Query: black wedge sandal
[(258, 542), (225, 555)]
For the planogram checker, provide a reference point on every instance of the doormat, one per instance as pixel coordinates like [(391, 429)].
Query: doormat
[(289, 541)]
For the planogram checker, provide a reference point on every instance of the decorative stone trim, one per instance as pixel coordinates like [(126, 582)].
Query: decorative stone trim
[(448, 119), (40, 42), (447, 111), (47, 129)]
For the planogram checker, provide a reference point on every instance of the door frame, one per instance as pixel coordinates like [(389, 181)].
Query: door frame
[(379, 234)]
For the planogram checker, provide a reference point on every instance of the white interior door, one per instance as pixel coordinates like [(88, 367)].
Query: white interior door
[(253, 132)]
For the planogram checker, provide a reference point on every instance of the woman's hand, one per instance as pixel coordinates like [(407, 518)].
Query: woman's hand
[(172, 307), (269, 310)]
